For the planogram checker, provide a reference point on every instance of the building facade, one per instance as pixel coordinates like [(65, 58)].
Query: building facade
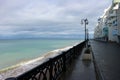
[(108, 26)]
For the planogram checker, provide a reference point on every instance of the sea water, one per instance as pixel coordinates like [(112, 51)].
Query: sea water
[(16, 51)]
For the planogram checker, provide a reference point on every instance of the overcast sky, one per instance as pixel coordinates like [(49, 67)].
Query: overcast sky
[(48, 18)]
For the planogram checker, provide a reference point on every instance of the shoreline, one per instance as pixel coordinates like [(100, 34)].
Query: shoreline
[(24, 66)]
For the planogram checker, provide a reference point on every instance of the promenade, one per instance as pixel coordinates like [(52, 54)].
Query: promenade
[(107, 56), (80, 70)]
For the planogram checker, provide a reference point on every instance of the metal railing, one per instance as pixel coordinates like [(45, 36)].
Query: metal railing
[(53, 68)]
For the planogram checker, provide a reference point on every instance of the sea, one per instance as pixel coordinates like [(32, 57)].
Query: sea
[(18, 50)]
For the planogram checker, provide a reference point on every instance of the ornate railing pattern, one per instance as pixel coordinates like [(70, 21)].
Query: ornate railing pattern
[(52, 69)]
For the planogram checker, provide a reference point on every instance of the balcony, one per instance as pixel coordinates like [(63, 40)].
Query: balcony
[(114, 23), (112, 14), (112, 20), (109, 21)]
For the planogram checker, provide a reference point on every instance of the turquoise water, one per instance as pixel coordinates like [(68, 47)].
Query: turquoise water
[(15, 51)]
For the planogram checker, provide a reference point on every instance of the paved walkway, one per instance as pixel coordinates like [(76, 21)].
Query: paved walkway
[(80, 70), (107, 56)]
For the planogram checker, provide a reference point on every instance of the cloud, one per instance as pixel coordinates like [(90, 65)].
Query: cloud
[(48, 18)]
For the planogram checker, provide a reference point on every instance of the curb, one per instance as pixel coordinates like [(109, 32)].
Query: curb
[(99, 75)]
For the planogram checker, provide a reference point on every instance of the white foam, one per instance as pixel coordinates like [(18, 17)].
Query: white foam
[(31, 61)]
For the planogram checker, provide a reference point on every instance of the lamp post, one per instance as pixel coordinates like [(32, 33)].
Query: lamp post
[(87, 35), (85, 21)]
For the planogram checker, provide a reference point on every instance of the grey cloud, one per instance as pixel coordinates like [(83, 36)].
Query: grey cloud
[(28, 18)]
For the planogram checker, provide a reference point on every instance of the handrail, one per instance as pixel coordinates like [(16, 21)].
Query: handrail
[(52, 68)]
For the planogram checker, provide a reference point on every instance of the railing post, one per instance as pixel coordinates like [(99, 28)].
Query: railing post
[(64, 61), (11, 78), (74, 52), (71, 56), (51, 69)]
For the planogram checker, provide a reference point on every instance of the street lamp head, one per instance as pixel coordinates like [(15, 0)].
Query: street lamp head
[(86, 21)]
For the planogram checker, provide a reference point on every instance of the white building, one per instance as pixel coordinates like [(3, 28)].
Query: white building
[(109, 23), (112, 24), (98, 30)]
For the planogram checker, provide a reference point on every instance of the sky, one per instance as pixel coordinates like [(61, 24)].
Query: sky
[(49, 18)]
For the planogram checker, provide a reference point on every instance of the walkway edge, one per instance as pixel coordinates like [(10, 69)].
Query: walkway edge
[(99, 75)]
